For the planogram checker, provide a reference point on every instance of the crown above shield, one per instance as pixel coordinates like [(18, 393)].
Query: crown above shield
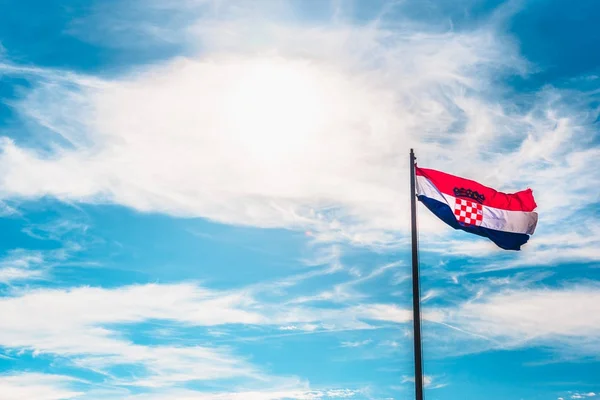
[(472, 194)]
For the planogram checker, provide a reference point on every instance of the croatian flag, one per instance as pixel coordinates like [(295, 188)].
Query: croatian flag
[(505, 218)]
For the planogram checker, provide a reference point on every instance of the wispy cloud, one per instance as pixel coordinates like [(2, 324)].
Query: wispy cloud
[(578, 395), (282, 394), (72, 323), (19, 386), (273, 122), (82, 324), (268, 166), (56, 387), (20, 264), (345, 292), (23, 265), (356, 344), (6, 210), (428, 381), (564, 319)]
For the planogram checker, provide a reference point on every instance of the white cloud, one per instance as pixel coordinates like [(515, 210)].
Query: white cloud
[(580, 242), (288, 328), (428, 382), (345, 291), (36, 386), (384, 312), (277, 124), (71, 323), (84, 324), (20, 264), (29, 386), (304, 127), (6, 210), (313, 319), (356, 344), (277, 394), (561, 318), (17, 274)]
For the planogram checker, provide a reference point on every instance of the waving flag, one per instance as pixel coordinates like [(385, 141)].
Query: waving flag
[(505, 218)]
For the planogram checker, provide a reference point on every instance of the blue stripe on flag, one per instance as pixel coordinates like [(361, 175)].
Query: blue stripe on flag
[(504, 240)]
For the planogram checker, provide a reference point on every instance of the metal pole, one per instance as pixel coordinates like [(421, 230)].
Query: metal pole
[(415, 282)]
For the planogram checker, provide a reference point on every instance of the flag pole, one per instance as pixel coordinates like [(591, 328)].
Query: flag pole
[(415, 282)]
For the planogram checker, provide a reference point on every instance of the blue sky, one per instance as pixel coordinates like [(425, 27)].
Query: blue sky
[(205, 199)]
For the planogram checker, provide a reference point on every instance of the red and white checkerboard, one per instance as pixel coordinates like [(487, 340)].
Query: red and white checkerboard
[(468, 212)]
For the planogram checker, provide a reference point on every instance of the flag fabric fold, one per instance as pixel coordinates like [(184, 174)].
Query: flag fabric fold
[(507, 219)]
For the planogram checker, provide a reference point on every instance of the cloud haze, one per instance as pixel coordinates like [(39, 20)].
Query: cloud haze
[(306, 127)]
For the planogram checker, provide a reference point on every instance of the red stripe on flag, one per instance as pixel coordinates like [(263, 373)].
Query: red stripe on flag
[(446, 183)]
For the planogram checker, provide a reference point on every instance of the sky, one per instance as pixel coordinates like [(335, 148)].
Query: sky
[(204, 199)]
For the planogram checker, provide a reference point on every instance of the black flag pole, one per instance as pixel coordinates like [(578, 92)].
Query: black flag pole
[(415, 282)]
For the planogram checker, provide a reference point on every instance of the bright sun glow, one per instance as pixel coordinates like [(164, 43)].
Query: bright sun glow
[(275, 106)]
